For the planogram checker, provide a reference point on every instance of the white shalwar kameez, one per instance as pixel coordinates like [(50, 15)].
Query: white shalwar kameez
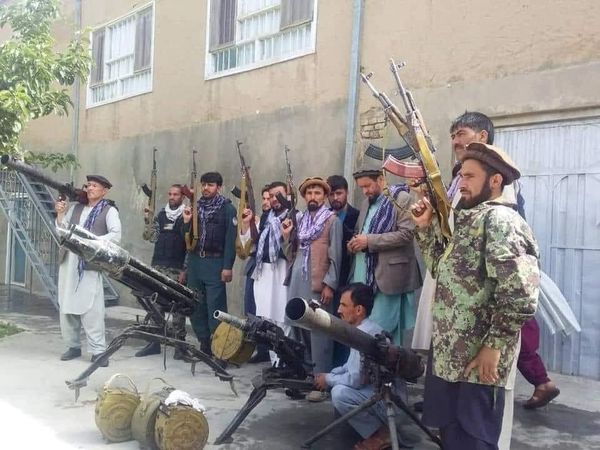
[(81, 302), (270, 295)]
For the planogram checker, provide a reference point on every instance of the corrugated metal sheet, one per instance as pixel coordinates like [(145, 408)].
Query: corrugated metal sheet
[(560, 163)]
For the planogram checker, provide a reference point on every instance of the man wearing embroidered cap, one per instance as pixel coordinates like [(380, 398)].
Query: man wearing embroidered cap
[(81, 290), (316, 266), (487, 287)]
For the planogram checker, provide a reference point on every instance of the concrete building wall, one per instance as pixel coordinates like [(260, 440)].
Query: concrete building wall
[(516, 61)]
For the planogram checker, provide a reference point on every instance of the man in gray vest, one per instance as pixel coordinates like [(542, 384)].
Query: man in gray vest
[(80, 290)]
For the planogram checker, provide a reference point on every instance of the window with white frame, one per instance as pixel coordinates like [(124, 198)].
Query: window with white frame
[(245, 34), (122, 58)]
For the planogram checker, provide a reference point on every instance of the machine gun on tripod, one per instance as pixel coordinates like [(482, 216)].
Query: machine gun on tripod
[(383, 362), (290, 372), (152, 289)]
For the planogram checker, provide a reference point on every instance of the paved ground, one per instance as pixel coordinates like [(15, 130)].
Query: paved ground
[(38, 411)]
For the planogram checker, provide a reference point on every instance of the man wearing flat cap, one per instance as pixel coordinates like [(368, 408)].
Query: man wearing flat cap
[(80, 288), (316, 266), (487, 287)]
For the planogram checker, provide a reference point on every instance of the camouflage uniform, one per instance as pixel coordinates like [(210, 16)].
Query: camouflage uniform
[(487, 287)]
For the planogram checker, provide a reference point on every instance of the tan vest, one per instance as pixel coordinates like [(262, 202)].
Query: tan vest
[(319, 257)]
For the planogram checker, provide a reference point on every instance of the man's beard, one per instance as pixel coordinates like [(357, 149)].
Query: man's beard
[(336, 205), (313, 206), (373, 199), (484, 195), (174, 205)]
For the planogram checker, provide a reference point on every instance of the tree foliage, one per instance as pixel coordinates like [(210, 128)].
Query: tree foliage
[(34, 75)]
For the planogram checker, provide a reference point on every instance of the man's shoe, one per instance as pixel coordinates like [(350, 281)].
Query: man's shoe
[(178, 355), (205, 346), (377, 441), (260, 357), (317, 396), (543, 394), (152, 348), (104, 363), (70, 354)]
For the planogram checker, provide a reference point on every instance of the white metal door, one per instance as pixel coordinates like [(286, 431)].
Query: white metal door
[(560, 165)]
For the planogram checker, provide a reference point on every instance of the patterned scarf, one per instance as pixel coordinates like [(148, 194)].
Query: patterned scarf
[(207, 207), (272, 232), (174, 214), (309, 229), (383, 221), (88, 225)]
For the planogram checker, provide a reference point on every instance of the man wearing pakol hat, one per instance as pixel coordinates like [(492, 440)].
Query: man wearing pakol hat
[(316, 266), (384, 253), (81, 290), (487, 287)]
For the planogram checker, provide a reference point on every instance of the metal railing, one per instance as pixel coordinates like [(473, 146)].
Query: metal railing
[(29, 209)]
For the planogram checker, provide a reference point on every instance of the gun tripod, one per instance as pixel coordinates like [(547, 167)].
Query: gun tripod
[(153, 329), (385, 393), (271, 378)]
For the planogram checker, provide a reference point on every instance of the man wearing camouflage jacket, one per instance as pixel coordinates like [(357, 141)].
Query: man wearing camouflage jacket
[(488, 279)]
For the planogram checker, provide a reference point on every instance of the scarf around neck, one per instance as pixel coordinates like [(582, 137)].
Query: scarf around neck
[(207, 207), (309, 229), (88, 225), (272, 232), (174, 214)]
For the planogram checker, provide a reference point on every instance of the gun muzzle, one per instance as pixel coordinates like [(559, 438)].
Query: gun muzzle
[(230, 319), (300, 312)]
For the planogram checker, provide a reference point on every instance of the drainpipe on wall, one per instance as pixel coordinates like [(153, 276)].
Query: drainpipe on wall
[(353, 85), (76, 99)]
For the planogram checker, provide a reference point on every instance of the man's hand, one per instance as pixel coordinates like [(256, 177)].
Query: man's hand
[(487, 362), (182, 277), (187, 214), (358, 243), (226, 275), (60, 207), (320, 381), (422, 213), (247, 216), (326, 295), (286, 228)]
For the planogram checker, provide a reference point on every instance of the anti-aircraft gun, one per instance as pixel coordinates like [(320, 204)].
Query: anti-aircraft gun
[(383, 362), (151, 289), (235, 339)]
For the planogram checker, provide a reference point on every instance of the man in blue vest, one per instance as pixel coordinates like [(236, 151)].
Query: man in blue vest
[(210, 262)]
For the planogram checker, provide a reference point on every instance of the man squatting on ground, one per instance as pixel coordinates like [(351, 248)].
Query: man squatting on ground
[(169, 255), (487, 287), (210, 263), (348, 384), (81, 290)]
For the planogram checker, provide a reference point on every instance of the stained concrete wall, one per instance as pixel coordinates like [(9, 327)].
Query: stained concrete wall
[(516, 61)]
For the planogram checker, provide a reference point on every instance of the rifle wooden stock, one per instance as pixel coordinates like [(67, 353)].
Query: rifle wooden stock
[(403, 169), (247, 201), (151, 193), (191, 238)]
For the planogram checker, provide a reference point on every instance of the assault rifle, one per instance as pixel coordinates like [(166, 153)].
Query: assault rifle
[(412, 129), (246, 201), (153, 290), (151, 194), (290, 202), (192, 192), (291, 372), (65, 190)]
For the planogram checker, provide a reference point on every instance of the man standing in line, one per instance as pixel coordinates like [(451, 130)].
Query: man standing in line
[(168, 257), (80, 290), (247, 245), (210, 263), (348, 215), (476, 318), (270, 292), (384, 253), (316, 266)]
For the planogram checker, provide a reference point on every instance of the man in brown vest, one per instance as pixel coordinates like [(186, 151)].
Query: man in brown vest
[(316, 265), (80, 290)]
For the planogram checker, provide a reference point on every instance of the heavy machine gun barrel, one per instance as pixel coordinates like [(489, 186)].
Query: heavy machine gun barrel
[(405, 363), (66, 190), (120, 265)]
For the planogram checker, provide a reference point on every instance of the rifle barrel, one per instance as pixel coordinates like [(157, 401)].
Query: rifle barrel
[(232, 320)]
